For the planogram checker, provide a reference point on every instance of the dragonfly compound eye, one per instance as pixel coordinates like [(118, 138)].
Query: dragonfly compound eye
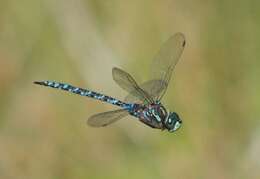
[(173, 122)]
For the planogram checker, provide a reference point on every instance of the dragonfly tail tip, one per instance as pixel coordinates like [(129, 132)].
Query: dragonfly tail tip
[(38, 82)]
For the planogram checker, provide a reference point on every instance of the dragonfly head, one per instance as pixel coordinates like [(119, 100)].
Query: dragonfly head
[(173, 122)]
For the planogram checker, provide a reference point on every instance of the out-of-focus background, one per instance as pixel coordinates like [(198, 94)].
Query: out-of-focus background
[(215, 89)]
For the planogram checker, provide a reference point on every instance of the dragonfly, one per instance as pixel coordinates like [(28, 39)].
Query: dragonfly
[(143, 100)]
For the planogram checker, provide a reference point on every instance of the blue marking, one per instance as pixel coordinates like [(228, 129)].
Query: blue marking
[(145, 115), (82, 93), (65, 86), (101, 97), (170, 120), (115, 101), (56, 85), (88, 93), (156, 116), (128, 106), (96, 96), (76, 89)]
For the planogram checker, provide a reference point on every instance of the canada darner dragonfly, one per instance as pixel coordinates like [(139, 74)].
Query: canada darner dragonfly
[(143, 101)]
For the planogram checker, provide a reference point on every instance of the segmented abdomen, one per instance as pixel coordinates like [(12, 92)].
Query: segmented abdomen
[(84, 92)]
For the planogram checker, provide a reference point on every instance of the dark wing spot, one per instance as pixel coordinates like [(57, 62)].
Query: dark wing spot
[(184, 43)]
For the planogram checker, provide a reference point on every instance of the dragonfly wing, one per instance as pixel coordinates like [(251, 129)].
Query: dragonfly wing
[(153, 88), (127, 82), (106, 118), (165, 61)]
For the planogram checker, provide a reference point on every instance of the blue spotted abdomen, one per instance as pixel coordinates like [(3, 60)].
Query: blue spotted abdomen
[(83, 92)]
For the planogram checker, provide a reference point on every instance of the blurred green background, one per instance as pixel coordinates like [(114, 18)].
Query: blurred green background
[(215, 89)]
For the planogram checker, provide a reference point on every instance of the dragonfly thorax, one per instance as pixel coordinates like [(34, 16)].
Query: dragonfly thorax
[(153, 115), (156, 116)]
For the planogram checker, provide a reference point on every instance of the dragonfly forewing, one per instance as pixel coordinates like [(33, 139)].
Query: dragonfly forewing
[(166, 60), (153, 88), (127, 82)]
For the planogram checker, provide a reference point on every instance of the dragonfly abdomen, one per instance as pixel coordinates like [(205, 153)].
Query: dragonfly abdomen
[(83, 92)]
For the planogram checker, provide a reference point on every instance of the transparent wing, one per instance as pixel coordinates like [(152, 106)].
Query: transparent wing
[(153, 88), (106, 118), (165, 61), (127, 82)]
